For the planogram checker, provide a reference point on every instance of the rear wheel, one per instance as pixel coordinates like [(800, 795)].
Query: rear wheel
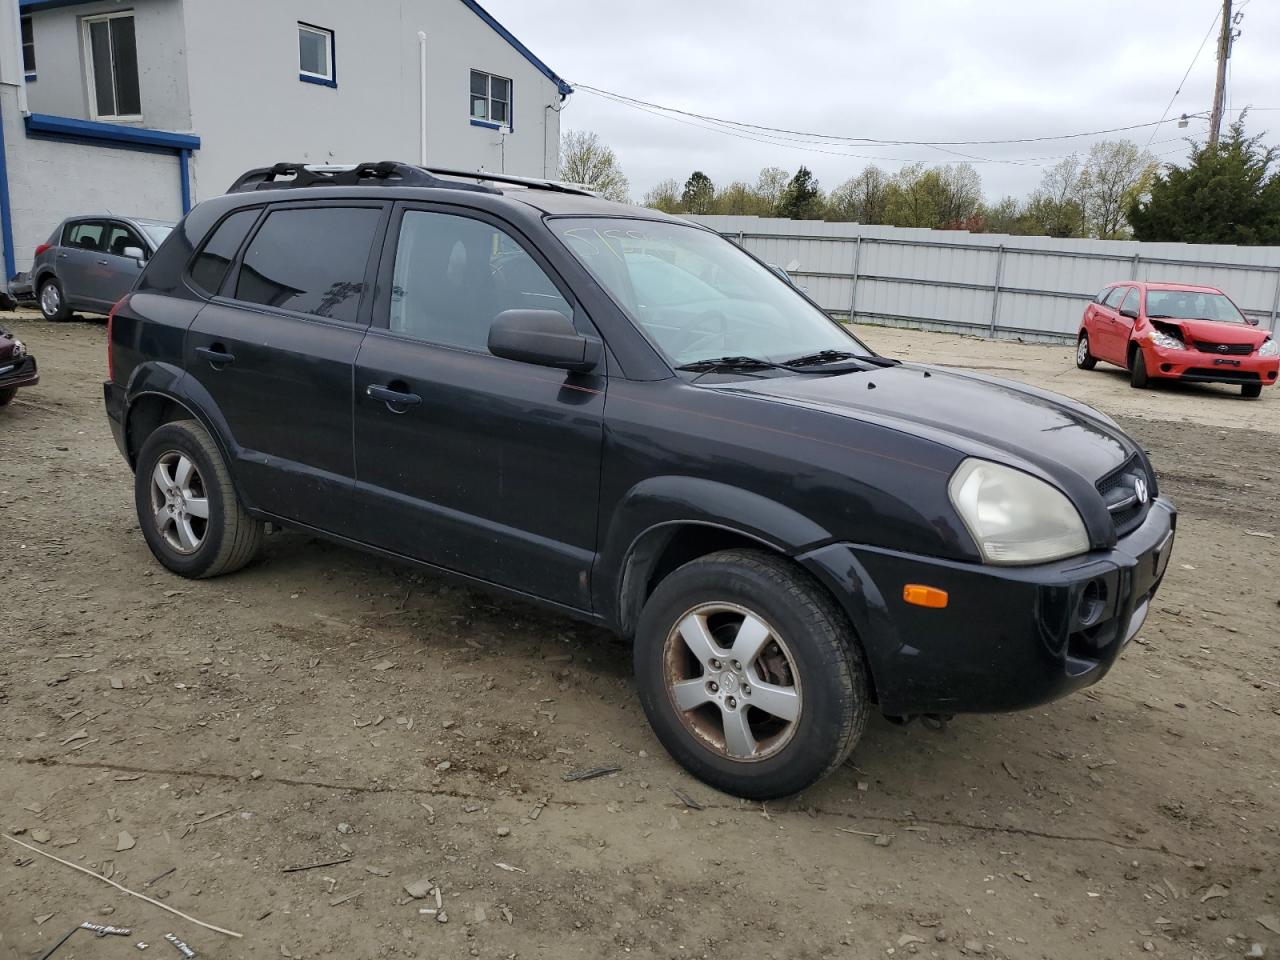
[(7, 394), (1084, 359), (1251, 391), (1138, 369), (53, 305), (187, 507), (750, 674)]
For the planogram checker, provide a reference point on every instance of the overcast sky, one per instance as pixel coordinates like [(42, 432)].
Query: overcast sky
[(906, 70)]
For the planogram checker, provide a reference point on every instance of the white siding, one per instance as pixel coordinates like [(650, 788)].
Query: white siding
[(250, 109)]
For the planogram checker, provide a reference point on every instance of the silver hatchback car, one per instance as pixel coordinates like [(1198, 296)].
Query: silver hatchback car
[(91, 261)]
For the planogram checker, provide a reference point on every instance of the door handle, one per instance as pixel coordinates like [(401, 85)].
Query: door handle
[(63, 256), (103, 262), (219, 358), (393, 398)]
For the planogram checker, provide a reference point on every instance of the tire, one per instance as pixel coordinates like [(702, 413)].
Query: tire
[(807, 640), (1138, 370), (52, 300), (7, 394), (189, 545), (1084, 359), (1250, 391)]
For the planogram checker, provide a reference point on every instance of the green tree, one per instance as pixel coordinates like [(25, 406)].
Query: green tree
[(742, 199), (770, 184), (585, 160), (699, 193), (665, 196), (1225, 194), (802, 199), (1114, 175), (1056, 207), (862, 199)]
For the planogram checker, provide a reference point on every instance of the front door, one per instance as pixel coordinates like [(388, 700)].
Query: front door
[(481, 465), (1107, 326), (115, 273), (1123, 327), (275, 350)]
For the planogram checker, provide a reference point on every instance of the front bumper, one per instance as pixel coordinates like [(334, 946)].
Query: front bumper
[(1009, 638), (21, 374), (1199, 366)]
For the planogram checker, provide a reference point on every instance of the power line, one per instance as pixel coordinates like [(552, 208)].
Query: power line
[(755, 127), (1208, 33)]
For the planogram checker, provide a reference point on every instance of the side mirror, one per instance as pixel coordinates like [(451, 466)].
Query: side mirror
[(1252, 321), (134, 253), (1130, 313), (545, 337)]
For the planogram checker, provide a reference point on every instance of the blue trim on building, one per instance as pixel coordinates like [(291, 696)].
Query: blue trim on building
[(317, 80), (184, 177), (31, 6), (114, 133), (29, 77), (506, 35), (487, 124), (6, 215)]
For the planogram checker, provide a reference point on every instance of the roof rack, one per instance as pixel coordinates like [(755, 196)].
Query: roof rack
[(533, 183), (285, 176)]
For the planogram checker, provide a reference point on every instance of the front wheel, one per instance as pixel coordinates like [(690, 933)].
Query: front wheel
[(1138, 370), (1251, 391), (1084, 359), (187, 507), (7, 394), (750, 674), (53, 304)]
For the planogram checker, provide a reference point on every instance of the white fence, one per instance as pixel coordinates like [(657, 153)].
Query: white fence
[(989, 284)]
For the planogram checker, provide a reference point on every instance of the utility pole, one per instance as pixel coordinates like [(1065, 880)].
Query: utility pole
[(1220, 90)]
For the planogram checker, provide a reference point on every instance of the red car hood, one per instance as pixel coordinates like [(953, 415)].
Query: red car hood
[(1214, 331)]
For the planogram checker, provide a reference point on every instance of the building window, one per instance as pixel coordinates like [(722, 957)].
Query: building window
[(315, 55), (490, 98), (112, 57), (28, 49)]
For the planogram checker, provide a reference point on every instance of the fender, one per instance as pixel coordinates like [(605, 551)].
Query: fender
[(648, 514), (167, 380)]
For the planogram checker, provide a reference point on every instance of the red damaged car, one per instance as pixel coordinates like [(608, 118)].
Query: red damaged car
[(1176, 331)]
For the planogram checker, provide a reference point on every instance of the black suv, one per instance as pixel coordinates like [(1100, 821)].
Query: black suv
[(626, 417)]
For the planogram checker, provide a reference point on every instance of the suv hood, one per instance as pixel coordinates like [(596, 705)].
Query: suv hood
[(1213, 331), (971, 413)]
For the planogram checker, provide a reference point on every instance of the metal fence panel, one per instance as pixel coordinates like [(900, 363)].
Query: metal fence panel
[(1030, 287)]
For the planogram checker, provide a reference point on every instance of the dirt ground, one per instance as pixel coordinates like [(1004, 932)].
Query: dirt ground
[(322, 705)]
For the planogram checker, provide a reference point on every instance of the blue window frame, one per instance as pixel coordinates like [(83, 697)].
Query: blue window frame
[(316, 62)]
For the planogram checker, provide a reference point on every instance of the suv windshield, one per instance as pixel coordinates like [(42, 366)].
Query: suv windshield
[(1192, 305), (697, 296)]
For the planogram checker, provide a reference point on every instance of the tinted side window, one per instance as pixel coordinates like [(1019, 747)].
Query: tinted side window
[(210, 266), (453, 275), (1130, 301), (1113, 298), (119, 237), (87, 235), (311, 260)]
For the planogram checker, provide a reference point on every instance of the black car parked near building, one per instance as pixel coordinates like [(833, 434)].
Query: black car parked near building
[(17, 367), (628, 418)]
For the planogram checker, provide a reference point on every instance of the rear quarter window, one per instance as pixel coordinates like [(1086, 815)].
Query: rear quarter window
[(209, 268)]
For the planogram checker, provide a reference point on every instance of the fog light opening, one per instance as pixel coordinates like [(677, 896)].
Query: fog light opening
[(1166, 367), (1093, 600)]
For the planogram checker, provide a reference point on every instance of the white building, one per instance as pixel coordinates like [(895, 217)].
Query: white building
[(143, 107)]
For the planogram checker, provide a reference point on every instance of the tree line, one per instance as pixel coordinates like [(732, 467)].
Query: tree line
[(1228, 193)]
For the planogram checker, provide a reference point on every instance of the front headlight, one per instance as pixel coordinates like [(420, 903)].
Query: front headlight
[(1269, 348), (1014, 517), (19, 351), (1166, 340)]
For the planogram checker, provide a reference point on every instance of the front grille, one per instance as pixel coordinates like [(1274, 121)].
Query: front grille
[(1225, 349), (1120, 494)]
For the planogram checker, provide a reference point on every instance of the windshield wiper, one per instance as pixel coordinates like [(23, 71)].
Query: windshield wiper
[(747, 363), (839, 356)]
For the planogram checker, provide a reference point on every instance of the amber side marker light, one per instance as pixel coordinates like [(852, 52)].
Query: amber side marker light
[(922, 596)]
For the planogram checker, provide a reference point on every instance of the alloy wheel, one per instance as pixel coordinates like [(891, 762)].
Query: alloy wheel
[(732, 681), (1082, 350), (179, 502)]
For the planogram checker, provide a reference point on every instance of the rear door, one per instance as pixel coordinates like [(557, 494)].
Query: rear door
[(275, 348), (478, 464), (114, 273), (77, 259)]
